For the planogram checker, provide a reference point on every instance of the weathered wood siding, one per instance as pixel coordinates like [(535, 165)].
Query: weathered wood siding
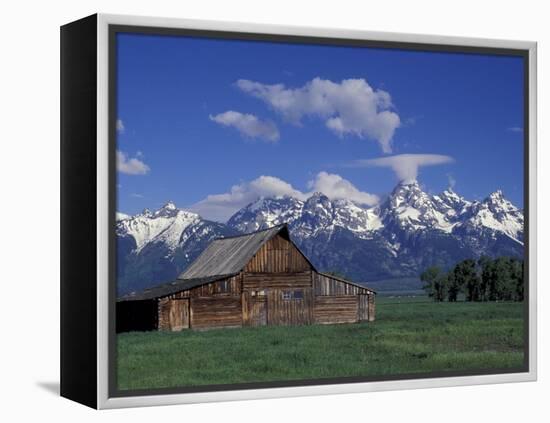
[(215, 312), (336, 309), (363, 308), (173, 314), (223, 297), (258, 281), (258, 311), (278, 255), (245, 308), (222, 288), (372, 307), (325, 285), (217, 304), (287, 312), (164, 314)]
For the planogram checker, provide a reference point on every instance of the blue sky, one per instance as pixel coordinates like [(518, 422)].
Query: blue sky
[(203, 117)]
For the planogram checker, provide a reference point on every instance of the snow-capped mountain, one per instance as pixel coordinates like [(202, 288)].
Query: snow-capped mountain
[(306, 218), (154, 247), (265, 213), (496, 213), (165, 225), (408, 231), (450, 204), (409, 208)]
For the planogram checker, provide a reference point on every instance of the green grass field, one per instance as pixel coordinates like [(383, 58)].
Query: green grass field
[(410, 335)]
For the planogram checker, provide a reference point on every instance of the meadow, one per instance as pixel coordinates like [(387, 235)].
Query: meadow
[(410, 335)]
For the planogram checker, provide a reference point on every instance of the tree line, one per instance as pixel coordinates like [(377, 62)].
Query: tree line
[(486, 279)]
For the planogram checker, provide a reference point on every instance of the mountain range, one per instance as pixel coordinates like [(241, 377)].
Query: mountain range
[(405, 233)]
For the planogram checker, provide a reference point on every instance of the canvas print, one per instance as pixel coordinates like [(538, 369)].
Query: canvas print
[(297, 212)]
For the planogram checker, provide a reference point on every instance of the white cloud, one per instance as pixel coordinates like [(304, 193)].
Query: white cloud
[(120, 126), (130, 165), (248, 125), (452, 180), (220, 207), (351, 106), (405, 166), (337, 188), (136, 195)]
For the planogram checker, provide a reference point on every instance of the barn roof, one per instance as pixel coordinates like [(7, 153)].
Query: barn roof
[(170, 288), (338, 278), (230, 255)]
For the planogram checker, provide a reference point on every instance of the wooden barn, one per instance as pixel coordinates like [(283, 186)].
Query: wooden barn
[(256, 279)]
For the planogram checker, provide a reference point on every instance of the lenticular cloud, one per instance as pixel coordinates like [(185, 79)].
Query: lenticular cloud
[(405, 166)]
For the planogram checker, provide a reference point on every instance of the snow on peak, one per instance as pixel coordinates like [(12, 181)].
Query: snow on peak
[(169, 206), (499, 204), (121, 216), (318, 199), (450, 204), (497, 213), (164, 225), (168, 210), (266, 212), (450, 194), (411, 208), (406, 182), (496, 196), (317, 194)]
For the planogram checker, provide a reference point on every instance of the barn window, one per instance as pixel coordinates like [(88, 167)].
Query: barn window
[(293, 295), (224, 286)]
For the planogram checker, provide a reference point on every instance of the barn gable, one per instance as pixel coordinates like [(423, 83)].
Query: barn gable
[(278, 255), (230, 255)]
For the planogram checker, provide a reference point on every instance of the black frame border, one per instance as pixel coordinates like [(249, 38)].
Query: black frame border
[(78, 235), (114, 29)]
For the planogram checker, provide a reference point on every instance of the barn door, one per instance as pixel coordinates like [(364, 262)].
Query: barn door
[(289, 307), (179, 314), (258, 312), (258, 316), (254, 308)]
